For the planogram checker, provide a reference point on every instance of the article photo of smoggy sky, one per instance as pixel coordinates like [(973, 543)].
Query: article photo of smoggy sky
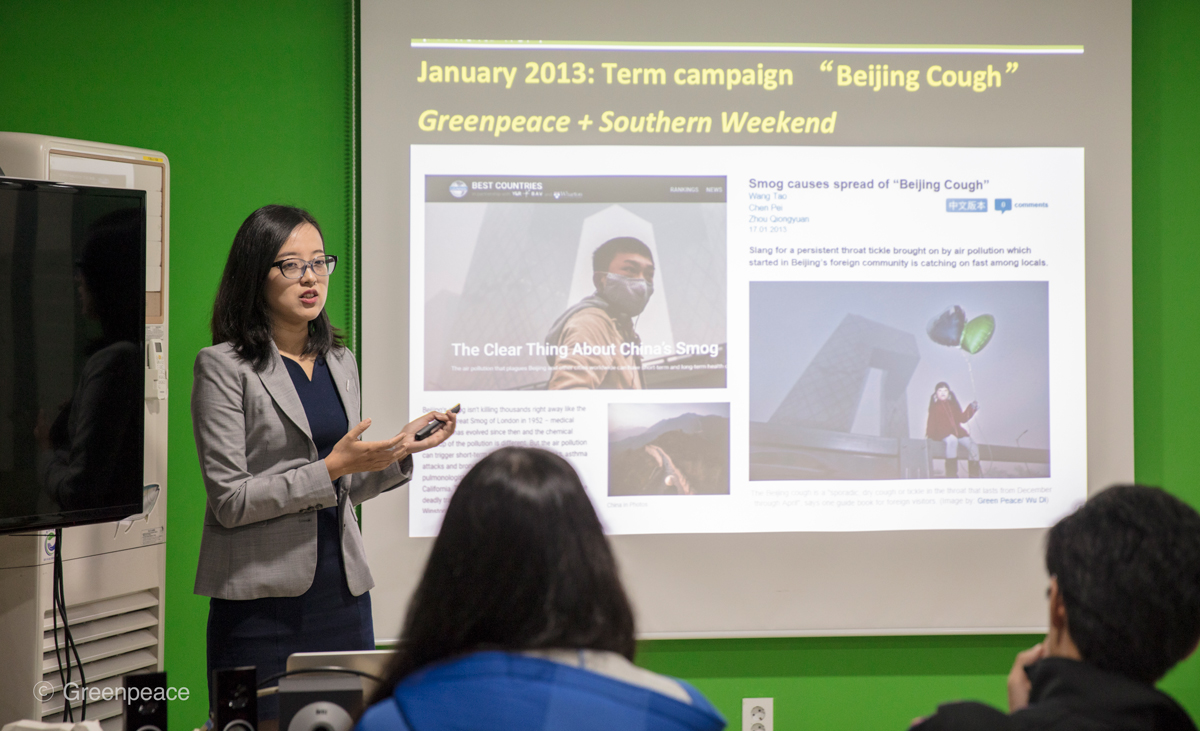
[(834, 366), (502, 273)]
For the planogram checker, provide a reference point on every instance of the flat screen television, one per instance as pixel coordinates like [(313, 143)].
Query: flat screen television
[(72, 354)]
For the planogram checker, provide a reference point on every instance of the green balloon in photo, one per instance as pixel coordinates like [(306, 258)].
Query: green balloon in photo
[(978, 333)]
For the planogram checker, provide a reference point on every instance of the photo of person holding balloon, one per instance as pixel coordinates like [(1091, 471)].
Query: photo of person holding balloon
[(946, 420), (945, 424), (903, 380)]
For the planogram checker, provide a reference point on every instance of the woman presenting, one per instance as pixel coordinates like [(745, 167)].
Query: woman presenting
[(273, 402)]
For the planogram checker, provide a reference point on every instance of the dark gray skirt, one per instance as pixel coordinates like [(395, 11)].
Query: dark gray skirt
[(263, 632)]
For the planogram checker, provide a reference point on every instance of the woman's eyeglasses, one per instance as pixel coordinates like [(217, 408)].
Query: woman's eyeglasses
[(322, 266)]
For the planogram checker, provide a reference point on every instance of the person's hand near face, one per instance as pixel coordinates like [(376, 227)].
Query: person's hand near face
[(1019, 684)]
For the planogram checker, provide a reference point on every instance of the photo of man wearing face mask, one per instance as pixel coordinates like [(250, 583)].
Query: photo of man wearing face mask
[(594, 341)]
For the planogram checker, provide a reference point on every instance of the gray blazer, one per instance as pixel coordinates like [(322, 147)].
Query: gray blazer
[(264, 481)]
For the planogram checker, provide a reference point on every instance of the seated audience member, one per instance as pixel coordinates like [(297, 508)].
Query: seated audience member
[(520, 621), (1124, 609)]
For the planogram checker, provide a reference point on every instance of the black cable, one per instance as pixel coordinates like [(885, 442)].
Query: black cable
[(323, 669), (54, 612), (75, 650), (69, 646), (60, 597)]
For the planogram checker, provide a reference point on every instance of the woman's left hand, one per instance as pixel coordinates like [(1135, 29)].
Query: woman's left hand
[(409, 442)]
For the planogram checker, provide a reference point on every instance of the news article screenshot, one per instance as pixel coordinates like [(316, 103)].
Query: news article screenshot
[(814, 339), (512, 301), (546, 298)]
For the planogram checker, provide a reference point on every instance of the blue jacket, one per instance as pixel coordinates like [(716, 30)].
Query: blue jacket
[(502, 691)]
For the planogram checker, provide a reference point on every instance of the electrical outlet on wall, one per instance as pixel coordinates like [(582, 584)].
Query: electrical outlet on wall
[(758, 714)]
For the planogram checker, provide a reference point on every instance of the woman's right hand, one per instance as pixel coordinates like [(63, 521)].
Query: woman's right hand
[(351, 454)]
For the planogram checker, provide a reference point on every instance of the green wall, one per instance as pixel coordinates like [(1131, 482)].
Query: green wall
[(249, 101), (1166, 263)]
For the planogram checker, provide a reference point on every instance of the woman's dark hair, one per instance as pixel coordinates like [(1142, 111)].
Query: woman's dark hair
[(1128, 569), (241, 315), (521, 563), (111, 265)]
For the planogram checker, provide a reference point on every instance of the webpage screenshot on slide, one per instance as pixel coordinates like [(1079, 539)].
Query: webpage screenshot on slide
[(783, 375)]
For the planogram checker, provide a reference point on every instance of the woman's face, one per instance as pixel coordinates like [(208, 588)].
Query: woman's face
[(943, 393), (298, 301)]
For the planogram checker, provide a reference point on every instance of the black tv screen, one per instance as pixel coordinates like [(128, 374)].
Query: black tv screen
[(72, 353)]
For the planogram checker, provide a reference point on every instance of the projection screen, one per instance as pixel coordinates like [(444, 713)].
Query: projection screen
[(873, 335)]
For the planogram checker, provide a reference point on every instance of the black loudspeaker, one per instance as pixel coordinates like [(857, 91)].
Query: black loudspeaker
[(319, 702), (236, 706), (145, 702)]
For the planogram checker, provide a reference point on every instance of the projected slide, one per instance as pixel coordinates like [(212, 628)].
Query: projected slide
[(829, 303), (743, 339)]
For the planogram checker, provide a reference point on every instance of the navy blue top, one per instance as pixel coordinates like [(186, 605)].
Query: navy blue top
[(327, 422), (322, 405)]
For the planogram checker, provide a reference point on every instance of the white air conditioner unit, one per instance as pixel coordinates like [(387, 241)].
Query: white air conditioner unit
[(113, 573)]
